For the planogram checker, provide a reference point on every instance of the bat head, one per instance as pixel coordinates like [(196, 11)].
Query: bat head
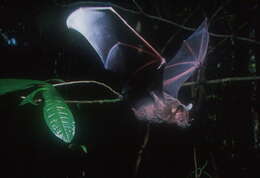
[(172, 111), (163, 109), (179, 115)]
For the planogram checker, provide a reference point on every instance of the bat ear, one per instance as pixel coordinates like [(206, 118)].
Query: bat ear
[(189, 107)]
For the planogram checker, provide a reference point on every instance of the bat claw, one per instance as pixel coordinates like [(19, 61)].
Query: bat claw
[(163, 62)]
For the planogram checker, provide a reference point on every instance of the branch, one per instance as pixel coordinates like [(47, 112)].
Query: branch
[(195, 162), (223, 80), (101, 101), (176, 33), (138, 7), (140, 152), (87, 82), (235, 37), (219, 9), (223, 40), (160, 19), (120, 97), (183, 26)]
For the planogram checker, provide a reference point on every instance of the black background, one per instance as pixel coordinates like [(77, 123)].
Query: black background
[(225, 115)]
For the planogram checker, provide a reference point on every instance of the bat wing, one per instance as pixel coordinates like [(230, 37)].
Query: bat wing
[(115, 41), (190, 56)]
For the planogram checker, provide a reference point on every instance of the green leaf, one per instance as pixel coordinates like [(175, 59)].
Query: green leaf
[(57, 115), (11, 85)]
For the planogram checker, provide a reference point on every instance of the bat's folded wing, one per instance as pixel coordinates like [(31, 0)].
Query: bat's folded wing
[(190, 56)]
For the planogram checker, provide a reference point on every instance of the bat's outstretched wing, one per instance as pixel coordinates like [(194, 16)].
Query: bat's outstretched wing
[(190, 56), (114, 40)]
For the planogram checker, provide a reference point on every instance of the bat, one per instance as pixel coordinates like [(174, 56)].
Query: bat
[(124, 51)]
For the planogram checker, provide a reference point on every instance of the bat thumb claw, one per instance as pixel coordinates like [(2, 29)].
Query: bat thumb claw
[(162, 63)]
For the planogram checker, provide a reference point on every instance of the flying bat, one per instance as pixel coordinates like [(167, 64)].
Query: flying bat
[(124, 51)]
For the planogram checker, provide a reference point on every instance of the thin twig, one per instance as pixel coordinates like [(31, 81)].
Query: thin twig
[(202, 169), (219, 9), (215, 13), (138, 7), (140, 152), (235, 37), (195, 162), (223, 40), (183, 26), (87, 82), (157, 10), (214, 165), (212, 49), (164, 20), (101, 101), (193, 29), (223, 80), (175, 34)]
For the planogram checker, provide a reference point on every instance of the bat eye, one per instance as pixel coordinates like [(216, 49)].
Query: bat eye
[(179, 108)]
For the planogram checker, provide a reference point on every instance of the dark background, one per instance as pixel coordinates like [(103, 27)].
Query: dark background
[(36, 44)]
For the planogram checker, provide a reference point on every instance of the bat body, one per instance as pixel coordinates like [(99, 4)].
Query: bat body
[(124, 51)]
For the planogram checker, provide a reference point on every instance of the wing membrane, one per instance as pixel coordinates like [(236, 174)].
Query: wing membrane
[(190, 56)]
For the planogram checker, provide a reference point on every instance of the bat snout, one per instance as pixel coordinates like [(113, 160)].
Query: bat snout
[(180, 116)]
